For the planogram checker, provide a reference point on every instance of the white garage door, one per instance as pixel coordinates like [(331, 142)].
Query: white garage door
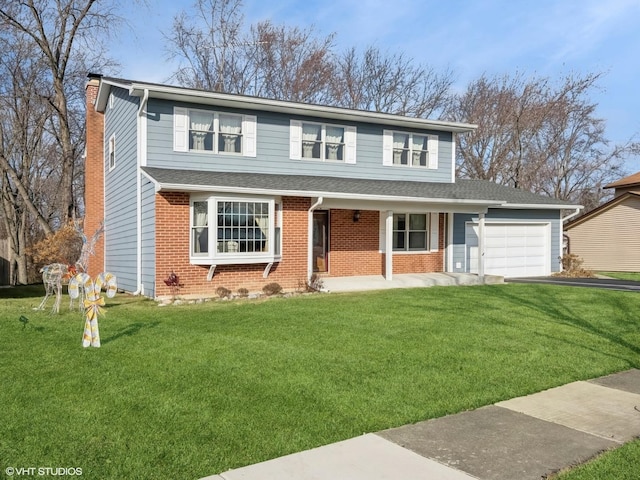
[(511, 249)]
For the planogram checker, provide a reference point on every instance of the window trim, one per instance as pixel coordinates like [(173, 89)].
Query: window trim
[(213, 257), (182, 129), (111, 152), (388, 149), (432, 234), (296, 139)]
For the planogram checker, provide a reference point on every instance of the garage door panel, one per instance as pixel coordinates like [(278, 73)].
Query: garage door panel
[(511, 249)]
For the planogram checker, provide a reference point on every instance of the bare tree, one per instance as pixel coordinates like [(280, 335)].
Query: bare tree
[(390, 83), (60, 30), (537, 134)]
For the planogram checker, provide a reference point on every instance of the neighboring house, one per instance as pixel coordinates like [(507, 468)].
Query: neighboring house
[(235, 191), (608, 237)]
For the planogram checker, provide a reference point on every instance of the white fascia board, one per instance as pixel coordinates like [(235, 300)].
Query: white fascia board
[(307, 193), (291, 108), (539, 206), (103, 92)]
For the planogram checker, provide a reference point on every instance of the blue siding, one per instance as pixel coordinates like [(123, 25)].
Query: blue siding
[(552, 216), (148, 238), (273, 150), (120, 190)]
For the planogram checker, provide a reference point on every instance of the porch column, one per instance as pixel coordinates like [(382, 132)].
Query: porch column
[(481, 247), (388, 246), (310, 236)]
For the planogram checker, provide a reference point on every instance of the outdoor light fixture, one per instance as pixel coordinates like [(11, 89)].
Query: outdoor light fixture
[(356, 215)]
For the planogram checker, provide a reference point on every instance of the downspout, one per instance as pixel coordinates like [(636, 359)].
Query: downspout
[(142, 145), (310, 237), (571, 215)]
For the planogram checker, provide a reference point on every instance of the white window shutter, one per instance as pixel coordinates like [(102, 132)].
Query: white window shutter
[(249, 123), (350, 135), (387, 147), (180, 129), (434, 233), (295, 139), (432, 146)]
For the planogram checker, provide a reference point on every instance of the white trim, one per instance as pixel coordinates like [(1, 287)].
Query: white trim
[(453, 157), (212, 256), (389, 246), (450, 267), (255, 103), (312, 208)]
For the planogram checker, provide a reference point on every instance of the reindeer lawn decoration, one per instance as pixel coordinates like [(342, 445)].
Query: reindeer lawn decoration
[(55, 275)]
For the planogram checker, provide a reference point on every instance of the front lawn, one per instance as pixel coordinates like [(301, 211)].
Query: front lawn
[(623, 275), (192, 390)]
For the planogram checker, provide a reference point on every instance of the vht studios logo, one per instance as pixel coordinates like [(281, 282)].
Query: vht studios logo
[(42, 471)]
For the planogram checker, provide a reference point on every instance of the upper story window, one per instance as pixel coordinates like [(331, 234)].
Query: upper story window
[(410, 149), (112, 152), (234, 230), (323, 142), (220, 133)]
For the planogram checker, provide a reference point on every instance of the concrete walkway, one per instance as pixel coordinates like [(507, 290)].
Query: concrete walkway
[(407, 280), (523, 438)]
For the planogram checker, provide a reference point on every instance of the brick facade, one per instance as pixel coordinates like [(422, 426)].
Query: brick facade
[(354, 250), (94, 176), (172, 251), (354, 247)]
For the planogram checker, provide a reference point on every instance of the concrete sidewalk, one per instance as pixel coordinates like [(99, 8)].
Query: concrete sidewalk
[(523, 438)]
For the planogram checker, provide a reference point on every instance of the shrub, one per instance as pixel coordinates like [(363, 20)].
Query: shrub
[(223, 292), (572, 267), (272, 289), (315, 283), (243, 292)]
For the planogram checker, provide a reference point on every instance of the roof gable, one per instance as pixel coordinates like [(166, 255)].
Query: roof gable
[(629, 181), (601, 209)]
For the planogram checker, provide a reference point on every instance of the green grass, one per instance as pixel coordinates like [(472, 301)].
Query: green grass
[(187, 391), (623, 275), (618, 464)]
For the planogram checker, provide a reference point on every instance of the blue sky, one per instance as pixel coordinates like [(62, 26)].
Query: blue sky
[(545, 38)]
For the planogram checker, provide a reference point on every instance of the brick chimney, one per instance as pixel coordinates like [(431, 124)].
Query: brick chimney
[(94, 174)]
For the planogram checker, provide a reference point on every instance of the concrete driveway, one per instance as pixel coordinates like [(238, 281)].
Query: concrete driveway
[(608, 283)]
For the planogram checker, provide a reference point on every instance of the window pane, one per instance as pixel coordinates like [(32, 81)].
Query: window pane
[(417, 222), (334, 138), (311, 140), (419, 143), (200, 232), (230, 137), (243, 227), (417, 240), (200, 131), (399, 222), (398, 240)]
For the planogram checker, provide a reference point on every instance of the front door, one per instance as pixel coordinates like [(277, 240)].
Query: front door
[(321, 241)]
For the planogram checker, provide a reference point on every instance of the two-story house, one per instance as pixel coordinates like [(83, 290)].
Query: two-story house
[(236, 191)]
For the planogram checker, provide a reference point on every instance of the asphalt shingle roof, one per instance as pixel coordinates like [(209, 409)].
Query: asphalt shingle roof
[(462, 189)]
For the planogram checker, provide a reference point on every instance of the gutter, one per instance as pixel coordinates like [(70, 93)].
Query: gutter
[(141, 140)]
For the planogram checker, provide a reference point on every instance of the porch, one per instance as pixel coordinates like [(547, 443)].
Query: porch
[(405, 280)]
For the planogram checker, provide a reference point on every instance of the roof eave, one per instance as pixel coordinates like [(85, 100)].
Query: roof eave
[(173, 187), (291, 108)]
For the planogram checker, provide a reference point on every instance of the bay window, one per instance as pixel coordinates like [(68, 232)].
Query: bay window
[(234, 230)]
